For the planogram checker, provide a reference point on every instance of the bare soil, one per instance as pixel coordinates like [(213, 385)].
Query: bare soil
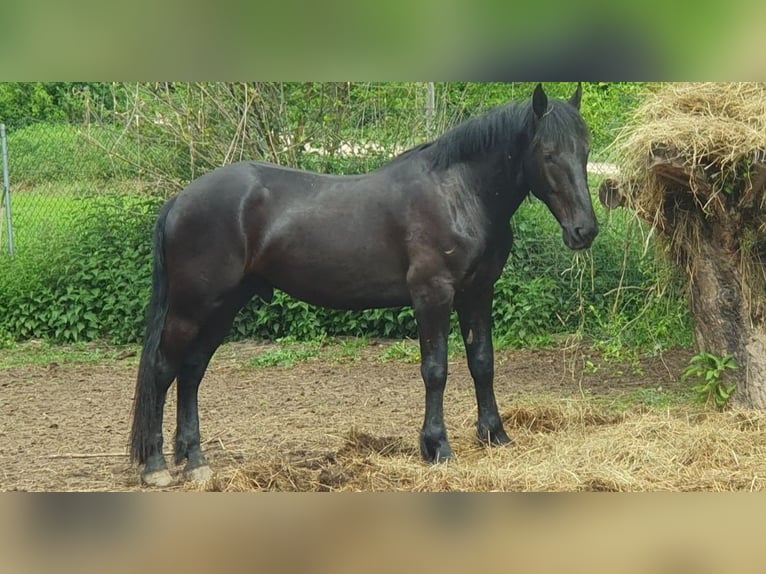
[(65, 426)]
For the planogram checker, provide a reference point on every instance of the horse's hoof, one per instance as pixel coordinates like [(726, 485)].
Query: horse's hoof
[(159, 478), (435, 452), (198, 474), (501, 439), (498, 437), (442, 456)]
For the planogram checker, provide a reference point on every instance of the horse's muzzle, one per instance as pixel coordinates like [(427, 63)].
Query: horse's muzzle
[(580, 237)]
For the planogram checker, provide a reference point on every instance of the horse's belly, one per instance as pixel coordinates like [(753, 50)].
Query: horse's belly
[(348, 295), (344, 284), (334, 256)]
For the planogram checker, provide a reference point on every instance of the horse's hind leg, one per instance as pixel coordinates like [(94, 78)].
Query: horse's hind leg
[(187, 442), (158, 370), (155, 471), (193, 367)]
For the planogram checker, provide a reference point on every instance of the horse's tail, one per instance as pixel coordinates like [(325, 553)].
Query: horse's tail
[(146, 394)]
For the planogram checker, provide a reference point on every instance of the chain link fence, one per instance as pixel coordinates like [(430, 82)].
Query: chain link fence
[(165, 139), (53, 169)]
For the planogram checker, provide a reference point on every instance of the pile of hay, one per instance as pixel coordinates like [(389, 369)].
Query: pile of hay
[(699, 147), (693, 165), (717, 122)]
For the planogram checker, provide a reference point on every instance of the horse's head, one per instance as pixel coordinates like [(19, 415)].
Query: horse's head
[(556, 162)]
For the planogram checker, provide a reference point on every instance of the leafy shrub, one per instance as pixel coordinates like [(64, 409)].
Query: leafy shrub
[(710, 370), (41, 153), (93, 284), (21, 102), (24, 100)]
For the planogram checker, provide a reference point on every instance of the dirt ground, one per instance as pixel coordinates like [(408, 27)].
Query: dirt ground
[(65, 426)]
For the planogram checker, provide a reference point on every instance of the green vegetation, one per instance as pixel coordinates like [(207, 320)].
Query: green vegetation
[(407, 351), (42, 155), (348, 350), (85, 202), (46, 353), (710, 372), (288, 353), (24, 102), (84, 278)]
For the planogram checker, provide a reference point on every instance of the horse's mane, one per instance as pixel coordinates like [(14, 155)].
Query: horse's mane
[(409, 152), (504, 127)]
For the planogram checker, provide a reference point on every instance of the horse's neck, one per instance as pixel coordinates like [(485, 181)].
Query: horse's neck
[(501, 186)]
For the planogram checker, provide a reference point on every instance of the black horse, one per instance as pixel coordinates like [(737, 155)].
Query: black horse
[(430, 229)]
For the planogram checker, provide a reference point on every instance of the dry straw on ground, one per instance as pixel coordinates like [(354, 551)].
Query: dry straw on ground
[(560, 445)]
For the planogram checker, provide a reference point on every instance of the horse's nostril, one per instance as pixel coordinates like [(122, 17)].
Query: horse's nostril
[(586, 233)]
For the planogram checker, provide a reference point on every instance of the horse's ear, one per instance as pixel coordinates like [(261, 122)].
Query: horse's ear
[(539, 101), (577, 96)]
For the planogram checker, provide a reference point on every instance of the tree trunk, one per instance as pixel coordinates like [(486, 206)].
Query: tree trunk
[(725, 322)]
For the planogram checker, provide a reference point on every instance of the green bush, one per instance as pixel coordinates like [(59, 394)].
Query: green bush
[(93, 284), (710, 372), (42, 153), (22, 102)]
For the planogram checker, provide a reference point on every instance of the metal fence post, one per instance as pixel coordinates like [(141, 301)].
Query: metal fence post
[(7, 191), (430, 109)]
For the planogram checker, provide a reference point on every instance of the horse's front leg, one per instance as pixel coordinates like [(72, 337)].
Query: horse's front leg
[(433, 305), (475, 315)]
